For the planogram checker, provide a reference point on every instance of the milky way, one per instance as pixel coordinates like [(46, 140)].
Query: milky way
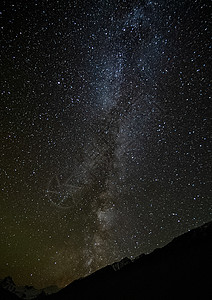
[(105, 132)]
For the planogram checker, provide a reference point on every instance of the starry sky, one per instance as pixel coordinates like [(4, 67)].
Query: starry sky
[(105, 132)]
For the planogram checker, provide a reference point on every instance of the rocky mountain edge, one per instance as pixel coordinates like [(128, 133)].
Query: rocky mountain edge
[(25, 292), (181, 269)]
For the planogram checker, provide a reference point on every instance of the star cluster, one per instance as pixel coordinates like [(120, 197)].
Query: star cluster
[(105, 132)]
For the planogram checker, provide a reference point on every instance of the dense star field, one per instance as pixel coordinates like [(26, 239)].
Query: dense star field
[(105, 150)]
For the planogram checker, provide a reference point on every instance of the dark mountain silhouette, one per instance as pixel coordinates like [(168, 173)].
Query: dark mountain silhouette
[(8, 289), (7, 295), (181, 269)]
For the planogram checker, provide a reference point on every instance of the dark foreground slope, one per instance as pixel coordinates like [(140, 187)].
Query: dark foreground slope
[(7, 295), (181, 269)]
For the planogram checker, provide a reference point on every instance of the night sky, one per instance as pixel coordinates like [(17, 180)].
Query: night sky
[(105, 132)]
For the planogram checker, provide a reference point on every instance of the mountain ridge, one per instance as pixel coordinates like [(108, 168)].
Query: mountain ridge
[(24, 292), (179, 269)]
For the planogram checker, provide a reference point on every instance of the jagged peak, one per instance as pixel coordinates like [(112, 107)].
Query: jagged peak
[(7, 280)]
